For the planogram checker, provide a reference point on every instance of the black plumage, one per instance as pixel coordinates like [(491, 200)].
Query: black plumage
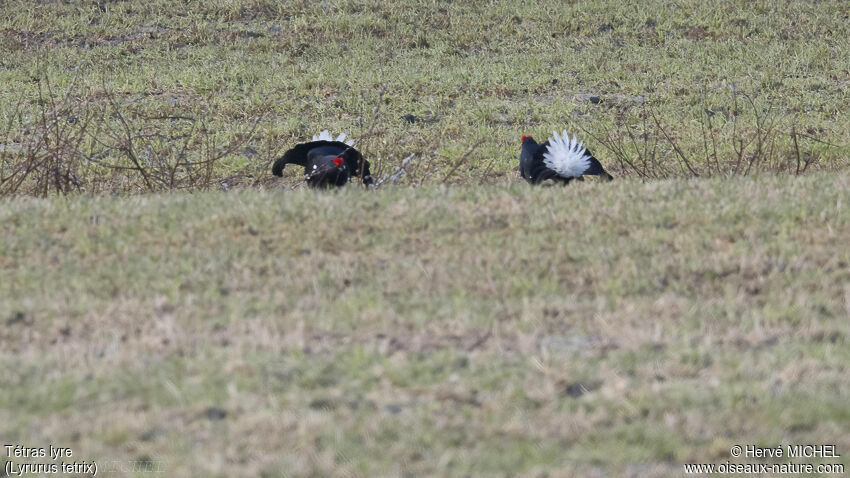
[(326, 163), (533, 168)]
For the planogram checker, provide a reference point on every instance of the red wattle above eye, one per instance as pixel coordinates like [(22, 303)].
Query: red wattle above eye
[(338, 161)]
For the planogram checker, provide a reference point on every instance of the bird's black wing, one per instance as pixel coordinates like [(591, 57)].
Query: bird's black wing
[(302, 153), (365, 174), (596, 169), (359, 166)]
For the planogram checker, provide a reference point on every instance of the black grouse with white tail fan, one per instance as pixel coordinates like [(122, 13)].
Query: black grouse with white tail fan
[(559, 159), (328, 162)]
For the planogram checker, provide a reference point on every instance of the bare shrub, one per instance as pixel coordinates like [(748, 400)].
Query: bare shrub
[(165, 152), (40, 153), (81, 141), (744, 136)]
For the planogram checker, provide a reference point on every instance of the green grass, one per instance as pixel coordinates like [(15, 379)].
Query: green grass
[(473, 326), (493, 70), (439, 331)]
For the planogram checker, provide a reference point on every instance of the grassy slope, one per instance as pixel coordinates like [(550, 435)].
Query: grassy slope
[(495, 70), (434, 332)]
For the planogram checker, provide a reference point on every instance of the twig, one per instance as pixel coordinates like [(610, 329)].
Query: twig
[(674, 144), (463, 158)]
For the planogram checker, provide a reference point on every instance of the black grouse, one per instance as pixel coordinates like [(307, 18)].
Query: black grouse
[(327, 162), (559, 159)]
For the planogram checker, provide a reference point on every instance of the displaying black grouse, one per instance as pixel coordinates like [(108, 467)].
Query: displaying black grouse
[(327, 162), (559, 159)]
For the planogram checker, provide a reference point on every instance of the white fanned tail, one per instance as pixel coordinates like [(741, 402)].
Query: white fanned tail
[(566, 157), (326, 136)]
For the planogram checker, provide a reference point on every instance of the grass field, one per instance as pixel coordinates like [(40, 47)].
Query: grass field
[(721, 82), (454, 321), (441, 331)]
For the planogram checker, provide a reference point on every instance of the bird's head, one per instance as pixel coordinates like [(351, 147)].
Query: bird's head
[(339, 161), (525, 138)]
